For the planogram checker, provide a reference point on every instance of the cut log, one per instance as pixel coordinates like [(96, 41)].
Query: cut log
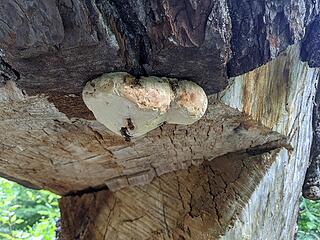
[(198, 203), (42, 146), (235, 196)]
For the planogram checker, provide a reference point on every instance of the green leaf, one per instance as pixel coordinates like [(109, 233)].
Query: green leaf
[(6, 236), (26, 213), (19, 221), (13, 208), (13, 219)]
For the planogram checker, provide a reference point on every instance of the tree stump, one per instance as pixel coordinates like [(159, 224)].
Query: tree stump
[(235, 174)]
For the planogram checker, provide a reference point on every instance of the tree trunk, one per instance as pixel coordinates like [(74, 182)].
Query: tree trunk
[(235, 196), (235, 174), (311, 186)]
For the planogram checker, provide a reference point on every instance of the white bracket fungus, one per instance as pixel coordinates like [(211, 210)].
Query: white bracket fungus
[(131, 107)]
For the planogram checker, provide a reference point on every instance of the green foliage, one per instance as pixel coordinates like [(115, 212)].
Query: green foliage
[(309, 220), (27, 214)]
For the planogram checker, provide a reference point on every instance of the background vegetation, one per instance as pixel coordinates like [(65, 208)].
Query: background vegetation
[(32, 215), (309, 220), (27, 214)]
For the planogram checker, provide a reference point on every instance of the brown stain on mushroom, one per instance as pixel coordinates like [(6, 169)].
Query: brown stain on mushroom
[(191, 98), (190, 101), (186, 97), (147, 98)]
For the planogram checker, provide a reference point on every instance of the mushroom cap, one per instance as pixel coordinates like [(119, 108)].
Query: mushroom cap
[(131, 107), (190, 104)]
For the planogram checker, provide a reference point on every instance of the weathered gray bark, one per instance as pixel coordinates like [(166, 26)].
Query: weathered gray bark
[(284, 101)]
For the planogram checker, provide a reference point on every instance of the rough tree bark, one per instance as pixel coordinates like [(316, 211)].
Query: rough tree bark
[(311, 185), (311, 53), (237, 173)]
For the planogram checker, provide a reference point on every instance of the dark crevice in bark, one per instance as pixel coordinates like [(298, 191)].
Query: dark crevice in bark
[(7, 72), (261, 30), (24, 183), (311, 186), (310, 47), (87, 190), (137, 48), (249, 44), (258, 150)]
